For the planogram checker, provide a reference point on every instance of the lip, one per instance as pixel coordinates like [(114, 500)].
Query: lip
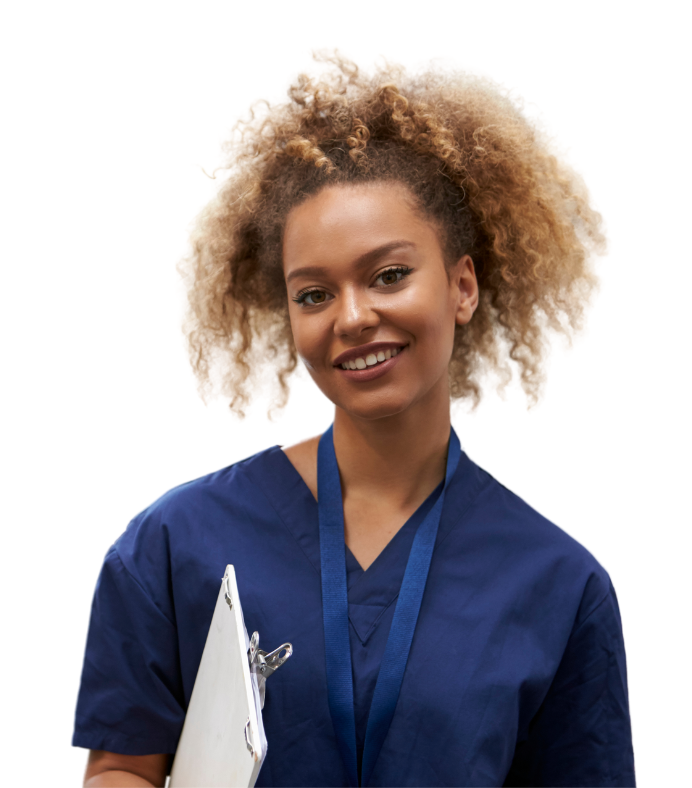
[(374, 372), (364, 350)]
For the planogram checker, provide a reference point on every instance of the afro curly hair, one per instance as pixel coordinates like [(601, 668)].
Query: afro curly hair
[(474, 165)]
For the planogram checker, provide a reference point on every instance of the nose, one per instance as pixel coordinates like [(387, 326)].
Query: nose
[(355, 314)]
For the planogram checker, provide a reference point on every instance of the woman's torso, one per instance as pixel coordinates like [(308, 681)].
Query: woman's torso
[(508, 599)]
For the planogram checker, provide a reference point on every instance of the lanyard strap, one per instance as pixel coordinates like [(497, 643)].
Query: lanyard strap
[(335, 612)]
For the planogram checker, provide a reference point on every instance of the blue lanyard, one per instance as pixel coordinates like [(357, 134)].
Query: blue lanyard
[(335, 612)]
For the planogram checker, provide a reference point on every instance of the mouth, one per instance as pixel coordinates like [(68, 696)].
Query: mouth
[(369, 361)]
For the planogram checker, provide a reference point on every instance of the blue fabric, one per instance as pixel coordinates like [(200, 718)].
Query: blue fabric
[(335, 613), (335, 604), (516, 674), (372, 598)]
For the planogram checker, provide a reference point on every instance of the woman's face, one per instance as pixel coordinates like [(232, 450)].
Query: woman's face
[(372, 307)]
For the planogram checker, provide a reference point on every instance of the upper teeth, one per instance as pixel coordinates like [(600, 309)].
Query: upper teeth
[(370, 360)]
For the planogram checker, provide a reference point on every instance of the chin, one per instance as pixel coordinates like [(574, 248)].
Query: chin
[(381, 402), (373, 406)]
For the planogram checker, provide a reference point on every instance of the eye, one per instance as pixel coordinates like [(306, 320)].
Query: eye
[(393, 276), (312, 298)]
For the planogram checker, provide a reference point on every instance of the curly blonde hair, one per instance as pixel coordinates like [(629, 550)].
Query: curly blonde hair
[(475, 166)]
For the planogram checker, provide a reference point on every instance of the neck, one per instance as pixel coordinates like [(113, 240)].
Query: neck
[(400, 457)]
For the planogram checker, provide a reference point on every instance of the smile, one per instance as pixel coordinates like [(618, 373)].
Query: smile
[(370, 360)]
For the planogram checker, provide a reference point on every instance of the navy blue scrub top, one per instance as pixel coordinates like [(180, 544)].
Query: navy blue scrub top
[(516, 674)]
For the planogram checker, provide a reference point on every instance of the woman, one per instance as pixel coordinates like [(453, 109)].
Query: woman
[(399, 235)]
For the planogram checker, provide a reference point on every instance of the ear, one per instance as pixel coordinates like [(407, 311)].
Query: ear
[(465, 289)]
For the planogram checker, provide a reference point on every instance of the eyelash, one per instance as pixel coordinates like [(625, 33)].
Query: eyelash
[(397, 269)]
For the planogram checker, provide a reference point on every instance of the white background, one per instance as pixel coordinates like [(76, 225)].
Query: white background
[(110, 112)]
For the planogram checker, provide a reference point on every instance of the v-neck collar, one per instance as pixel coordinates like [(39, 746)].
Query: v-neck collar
[(364, 583), (277, 478), (373, 590)]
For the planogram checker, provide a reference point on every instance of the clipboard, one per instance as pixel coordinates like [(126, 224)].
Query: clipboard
[(223, 742)]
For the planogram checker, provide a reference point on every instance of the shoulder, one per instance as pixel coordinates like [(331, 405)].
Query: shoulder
[(535, 554), (504, 513), (198, 514), (223, 487)]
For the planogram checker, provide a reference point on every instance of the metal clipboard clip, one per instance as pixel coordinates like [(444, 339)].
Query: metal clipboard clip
[(261, 663)]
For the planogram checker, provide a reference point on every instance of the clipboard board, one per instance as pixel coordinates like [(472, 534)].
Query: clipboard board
[(223, 742)]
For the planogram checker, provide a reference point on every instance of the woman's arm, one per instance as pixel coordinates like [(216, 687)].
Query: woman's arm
[(581, 735), (131, 688), (111, 769)]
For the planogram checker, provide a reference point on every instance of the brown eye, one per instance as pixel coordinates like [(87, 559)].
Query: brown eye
[(312, 298), (392, 276)]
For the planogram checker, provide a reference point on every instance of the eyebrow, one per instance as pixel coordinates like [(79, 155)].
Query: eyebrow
[(360, 262)]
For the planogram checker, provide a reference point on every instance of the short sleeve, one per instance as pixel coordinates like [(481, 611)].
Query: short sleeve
[(581, 735), (131, 699)]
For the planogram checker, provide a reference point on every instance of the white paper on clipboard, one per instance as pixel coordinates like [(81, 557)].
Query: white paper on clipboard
[(223, 742)]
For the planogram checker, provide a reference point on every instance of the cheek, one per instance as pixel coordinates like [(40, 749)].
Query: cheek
[(430, 315), (308, 337)]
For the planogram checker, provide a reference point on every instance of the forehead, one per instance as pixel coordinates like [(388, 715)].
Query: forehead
[(343, 222)]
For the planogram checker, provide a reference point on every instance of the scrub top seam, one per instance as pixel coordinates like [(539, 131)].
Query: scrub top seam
[(461, 515), (299, 479), (116, 552), (595, 608), (94, 734), (284, 523), (375, 623)]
